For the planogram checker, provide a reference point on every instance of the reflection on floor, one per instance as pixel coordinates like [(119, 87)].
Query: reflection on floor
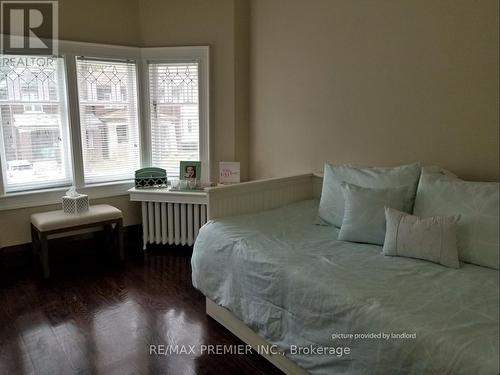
[(95, 317)]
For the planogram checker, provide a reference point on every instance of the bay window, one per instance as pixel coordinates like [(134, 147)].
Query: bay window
[(92, 116)]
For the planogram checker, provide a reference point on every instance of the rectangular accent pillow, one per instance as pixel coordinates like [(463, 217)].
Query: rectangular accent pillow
[(432, 239), (331, 206), (364, 216), (477, 203)]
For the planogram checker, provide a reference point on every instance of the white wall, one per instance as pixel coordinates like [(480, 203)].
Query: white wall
[(374, 82)]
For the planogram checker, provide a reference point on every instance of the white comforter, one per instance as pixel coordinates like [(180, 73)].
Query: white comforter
[(295, 285)]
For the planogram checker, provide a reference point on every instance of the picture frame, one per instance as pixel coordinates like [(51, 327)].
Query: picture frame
[(229, 172), (190, 170)]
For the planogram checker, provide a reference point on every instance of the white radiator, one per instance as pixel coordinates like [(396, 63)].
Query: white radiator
[(172, 223)]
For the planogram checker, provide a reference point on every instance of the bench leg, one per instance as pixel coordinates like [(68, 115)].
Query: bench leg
[(35, 240), (119, 233), (109, 238), (44, 256), (117, 238)]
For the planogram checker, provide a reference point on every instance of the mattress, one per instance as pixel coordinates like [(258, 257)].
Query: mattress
[(298, 287)]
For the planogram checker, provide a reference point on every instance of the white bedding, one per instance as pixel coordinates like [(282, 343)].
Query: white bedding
[(295, 285)]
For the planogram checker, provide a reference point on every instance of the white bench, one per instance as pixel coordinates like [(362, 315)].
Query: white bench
[(44, 224)]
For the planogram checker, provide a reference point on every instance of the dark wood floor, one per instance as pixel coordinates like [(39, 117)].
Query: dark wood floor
[(96, 317)]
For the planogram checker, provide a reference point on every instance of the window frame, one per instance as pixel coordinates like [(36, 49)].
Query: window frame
[(136, 62), (66, 146), (70, 50), (173, 55)]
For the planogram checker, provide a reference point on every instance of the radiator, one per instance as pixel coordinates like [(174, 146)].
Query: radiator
[(172, 223)]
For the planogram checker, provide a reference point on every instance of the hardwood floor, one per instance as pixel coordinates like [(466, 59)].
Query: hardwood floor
[(96, 317)]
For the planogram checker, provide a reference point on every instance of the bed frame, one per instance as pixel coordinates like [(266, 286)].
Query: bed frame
[(249, 197)]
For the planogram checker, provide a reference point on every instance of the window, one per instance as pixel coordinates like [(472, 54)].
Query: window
[(175, 116), (107, 93), (34, 123), (86, 119)]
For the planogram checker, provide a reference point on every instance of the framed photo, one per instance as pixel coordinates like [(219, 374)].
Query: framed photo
[(190, 170)]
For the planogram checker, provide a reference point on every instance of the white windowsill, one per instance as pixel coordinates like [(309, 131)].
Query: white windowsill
[(36, 198)]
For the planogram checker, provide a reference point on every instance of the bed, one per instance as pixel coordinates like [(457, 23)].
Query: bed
[(294, 286)]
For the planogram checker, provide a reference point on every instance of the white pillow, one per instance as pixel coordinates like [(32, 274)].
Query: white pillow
[(364, 217), (331, 206), (432, 239), (477, 203)]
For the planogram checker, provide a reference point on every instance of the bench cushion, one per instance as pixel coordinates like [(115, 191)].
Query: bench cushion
[(53, 220)]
